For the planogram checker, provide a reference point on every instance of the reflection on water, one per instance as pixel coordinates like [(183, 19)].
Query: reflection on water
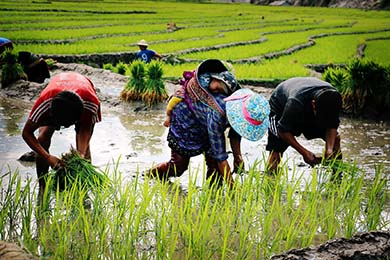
[(11, 115), (147, 127), (366, 142), (139, 140)]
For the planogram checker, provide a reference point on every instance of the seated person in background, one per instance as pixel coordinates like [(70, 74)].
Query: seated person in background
[(308, 106), (5, 44), (144, 54), (36, 68)]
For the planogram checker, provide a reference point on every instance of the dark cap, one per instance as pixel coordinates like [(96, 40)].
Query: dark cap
[(227, 78)]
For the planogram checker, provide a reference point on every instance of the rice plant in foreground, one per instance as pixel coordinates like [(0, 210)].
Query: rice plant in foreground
[(75, 169), (261, 216)]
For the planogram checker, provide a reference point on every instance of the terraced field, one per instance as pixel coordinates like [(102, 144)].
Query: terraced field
[(260, 42)]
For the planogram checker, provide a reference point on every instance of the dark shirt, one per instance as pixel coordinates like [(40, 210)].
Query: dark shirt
[(200, 128), (291, 101)]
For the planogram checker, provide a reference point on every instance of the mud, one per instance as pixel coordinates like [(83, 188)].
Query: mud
[(373, 245)]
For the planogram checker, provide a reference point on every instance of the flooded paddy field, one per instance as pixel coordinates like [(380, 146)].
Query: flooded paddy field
[(132, 137), (135, 141)]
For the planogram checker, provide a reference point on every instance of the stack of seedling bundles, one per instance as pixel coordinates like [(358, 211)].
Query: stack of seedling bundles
[(76, 170), (154, 91), (136, 84), (363, 84), (145, 83)]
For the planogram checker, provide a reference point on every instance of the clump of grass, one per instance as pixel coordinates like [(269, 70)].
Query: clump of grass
[(50, 63), (75, 169), (145, 83)]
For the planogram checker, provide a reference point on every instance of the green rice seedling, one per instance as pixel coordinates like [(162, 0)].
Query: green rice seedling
[(362, 83), (262, 215), (337, 77), (16, 211), (108, 66), (50, 62), (154, 91), (376, 202), (11, 69), (75, 169), (121, 68), (136, 84), (369, 85)]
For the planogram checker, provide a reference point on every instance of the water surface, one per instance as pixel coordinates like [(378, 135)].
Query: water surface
[(137, 140)]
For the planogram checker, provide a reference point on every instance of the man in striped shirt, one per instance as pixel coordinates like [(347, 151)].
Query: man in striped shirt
[(69, 99)]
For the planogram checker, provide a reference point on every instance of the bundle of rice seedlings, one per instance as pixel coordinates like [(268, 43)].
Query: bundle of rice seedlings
[(108, 66), (121, 68), (11, 69), (50, 63), (135, 85), (73, 169), (154, 91)]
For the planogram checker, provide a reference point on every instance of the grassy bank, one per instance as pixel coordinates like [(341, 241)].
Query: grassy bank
[(144, 219)]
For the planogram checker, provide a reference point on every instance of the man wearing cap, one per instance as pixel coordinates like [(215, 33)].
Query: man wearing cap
[(144, 54), (308, 106)]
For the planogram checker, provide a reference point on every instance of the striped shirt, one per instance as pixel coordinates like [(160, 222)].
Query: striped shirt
[(69, 81)]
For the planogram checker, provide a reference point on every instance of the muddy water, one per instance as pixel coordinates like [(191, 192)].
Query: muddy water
[(137, 140)]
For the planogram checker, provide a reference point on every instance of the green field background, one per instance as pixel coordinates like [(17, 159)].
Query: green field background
[(261, 42)]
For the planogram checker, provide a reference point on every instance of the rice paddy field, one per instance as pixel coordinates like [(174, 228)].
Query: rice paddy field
[(135, 217), (261, 42)]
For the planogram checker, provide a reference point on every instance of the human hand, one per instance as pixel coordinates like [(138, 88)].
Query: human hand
[(167, 122), (54, 162), (239, 166), (311, 159)]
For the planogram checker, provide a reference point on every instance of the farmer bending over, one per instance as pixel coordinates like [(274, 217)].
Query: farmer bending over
[(198, 127), (69, 99), (308, 106)]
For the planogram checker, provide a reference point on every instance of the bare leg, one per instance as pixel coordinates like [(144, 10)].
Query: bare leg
[(44, 138), (212, 173), (87, 154), (337, 148), (175, 167), (273, 161)]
